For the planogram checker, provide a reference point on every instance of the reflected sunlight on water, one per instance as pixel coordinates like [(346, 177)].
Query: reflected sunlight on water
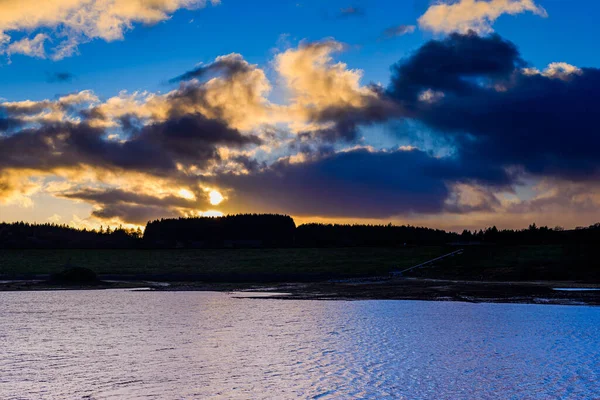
[(122, 344)]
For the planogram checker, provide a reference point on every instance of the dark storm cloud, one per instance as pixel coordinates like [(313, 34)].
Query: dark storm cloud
[(457, 64), (356, 183), (496, 113), (156, 148), (119, 196), (134, 213), (192, 138), (346, 120), (134, 208), (548, 126), (59, 77), (226, 66), (8, 123)]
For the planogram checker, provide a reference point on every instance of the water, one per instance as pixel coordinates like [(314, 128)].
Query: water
[(173, 345)]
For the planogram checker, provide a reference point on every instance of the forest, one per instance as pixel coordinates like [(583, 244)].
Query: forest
[(274, 231)]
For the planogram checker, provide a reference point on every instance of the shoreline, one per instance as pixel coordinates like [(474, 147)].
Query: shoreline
[(536, 292)]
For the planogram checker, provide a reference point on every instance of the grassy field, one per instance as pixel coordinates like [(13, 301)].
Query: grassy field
[(518, 263), (508, 263), (220, 265)]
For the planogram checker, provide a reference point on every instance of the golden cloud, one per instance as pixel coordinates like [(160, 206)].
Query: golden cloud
[(473, 15), (79, 21)]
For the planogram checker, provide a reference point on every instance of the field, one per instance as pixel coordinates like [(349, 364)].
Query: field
[(480, 263), (518, 263), (219, 265)]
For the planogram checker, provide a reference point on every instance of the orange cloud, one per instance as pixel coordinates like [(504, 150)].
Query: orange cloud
[(473, 15), (79, 21)]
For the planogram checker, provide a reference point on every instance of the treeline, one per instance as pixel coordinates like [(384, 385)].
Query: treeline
[(533, 235), (335, 235), (21, 235), (242, 230), (271, 230)]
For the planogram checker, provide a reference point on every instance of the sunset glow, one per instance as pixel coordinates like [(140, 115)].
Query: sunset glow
[(404, 113)]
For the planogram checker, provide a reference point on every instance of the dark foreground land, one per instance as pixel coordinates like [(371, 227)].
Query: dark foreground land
[(523, 274), (218, 265)]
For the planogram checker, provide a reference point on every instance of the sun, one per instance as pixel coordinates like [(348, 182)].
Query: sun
[(215, 197)]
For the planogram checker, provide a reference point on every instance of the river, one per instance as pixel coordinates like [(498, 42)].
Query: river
[(120, 344)]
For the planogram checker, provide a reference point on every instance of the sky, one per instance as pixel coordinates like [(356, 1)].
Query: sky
[(452, 114)]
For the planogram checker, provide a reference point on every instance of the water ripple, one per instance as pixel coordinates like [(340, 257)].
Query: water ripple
[(128, 345)]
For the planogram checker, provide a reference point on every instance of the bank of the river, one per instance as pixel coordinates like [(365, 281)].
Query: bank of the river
[(371, 289), (446, 290)]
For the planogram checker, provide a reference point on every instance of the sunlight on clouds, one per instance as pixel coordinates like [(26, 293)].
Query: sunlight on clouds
[(17, 188), (239, 99), (29, 47), (72, 22), (475, 15), (212, 213), (130, 158), (470, 197), (55, 218), (555, 70), (315, 82), (186, 194)]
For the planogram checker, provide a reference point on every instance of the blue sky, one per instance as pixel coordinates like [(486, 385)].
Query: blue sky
[(317, 125), (149, 55)]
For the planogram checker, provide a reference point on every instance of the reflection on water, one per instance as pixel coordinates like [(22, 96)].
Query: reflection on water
[(165, 345)]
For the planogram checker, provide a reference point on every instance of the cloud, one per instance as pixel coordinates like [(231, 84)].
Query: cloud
[(323, 93), (29, 47), (395, 31), (467, 198), (137, 214), (55, 218), (7, 124), (134, 207), (72, 22), (227, 66), (314, 80), (357, 183), (59, 77), (17, 187), (156, 148), (21, 113), (179, 137), (236, 94), (360, 183), (549, 195), (558, 70), (473, 15), (145, 155), (497, 112), (454, 64)]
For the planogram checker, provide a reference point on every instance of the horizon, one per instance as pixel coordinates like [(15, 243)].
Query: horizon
[(142, 228), (451, 115)]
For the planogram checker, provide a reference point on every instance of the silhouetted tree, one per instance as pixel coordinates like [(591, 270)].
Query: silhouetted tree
[(243, 230), (271, 230)]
